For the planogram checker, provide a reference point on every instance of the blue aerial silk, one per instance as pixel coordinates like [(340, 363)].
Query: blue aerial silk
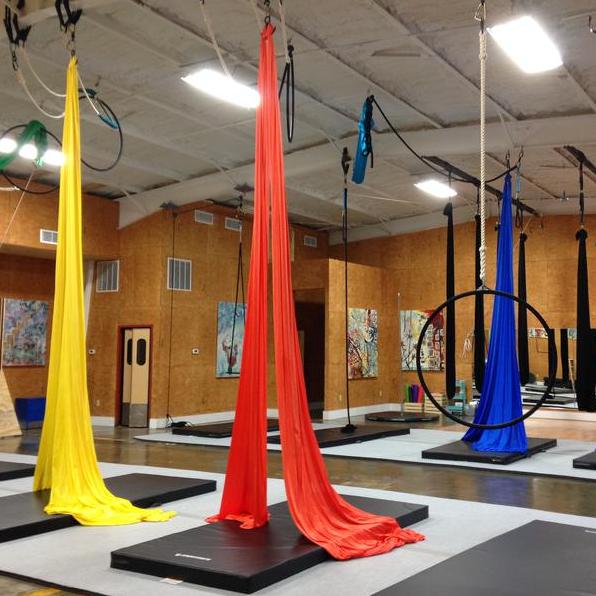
[(501, 396), (364, 148)]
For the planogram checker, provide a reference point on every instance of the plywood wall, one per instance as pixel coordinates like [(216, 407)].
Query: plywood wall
[(189, 385), (414, 266)]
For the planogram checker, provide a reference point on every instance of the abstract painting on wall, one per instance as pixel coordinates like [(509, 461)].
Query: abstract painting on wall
[(432, 353), (229, 351), (363, 348), (24, 332)]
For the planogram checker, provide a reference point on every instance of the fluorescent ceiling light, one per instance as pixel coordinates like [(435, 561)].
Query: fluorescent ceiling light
[(223, 87), (52, 157), (527, 44), (28, 151), (436, 189), (7, 145)]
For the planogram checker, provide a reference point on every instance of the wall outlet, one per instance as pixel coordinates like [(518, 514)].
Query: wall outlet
[(340, 397), (196, 351), (97, 402), (380, 393)]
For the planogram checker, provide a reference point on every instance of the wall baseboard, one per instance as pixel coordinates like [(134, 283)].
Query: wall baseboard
[(103, 421), (209, 418), (360, 410)]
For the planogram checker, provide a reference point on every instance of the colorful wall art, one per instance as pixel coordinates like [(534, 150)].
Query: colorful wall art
[(363, 349), (24, 332), (432, 353), (229, 356)]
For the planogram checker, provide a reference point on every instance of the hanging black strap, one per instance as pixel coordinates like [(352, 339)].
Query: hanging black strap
[(66, 16), (522, 314), (15, 33), (239, 288), (565, 355), (582, 206), (288, 81), (345, 166), (479, 333), (450, 323), (552, 362), (585, 375)]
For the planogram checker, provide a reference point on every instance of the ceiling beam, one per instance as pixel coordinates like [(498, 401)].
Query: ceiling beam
[(460, 140), (525, 177)]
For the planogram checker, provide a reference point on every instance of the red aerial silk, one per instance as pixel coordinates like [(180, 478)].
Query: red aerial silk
[(318, 511)]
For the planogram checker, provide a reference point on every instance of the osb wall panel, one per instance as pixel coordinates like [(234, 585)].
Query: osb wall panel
[(100, 223), (415, 279), (189, 386), (367, 289), (30, 279)]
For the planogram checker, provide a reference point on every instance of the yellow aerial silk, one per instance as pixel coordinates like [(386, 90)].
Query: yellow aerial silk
[(67, 463)]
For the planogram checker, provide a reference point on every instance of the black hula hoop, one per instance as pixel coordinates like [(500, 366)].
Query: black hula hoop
[(552, 350)]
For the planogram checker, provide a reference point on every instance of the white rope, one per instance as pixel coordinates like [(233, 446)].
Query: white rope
[(14, 214), (483, 148), (284, 32), (25, 54), (23, 83), (211, 33)]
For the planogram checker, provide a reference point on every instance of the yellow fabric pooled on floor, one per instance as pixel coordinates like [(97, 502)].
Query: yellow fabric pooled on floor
[(67, 463)]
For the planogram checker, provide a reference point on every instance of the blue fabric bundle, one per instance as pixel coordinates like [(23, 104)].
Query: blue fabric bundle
[(364, 148), (501, 395)]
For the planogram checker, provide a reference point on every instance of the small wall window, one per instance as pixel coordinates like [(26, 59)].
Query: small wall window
[(179, 274), (310, 241), (48, 236), (108, 276)]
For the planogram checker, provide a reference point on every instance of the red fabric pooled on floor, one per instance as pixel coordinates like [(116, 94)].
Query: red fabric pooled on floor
[(317, 510)]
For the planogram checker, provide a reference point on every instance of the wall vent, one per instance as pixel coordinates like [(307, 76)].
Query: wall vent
[(204, 217), (179, 274), (311, 241), (108, 276), (233, 224), (48, 236)]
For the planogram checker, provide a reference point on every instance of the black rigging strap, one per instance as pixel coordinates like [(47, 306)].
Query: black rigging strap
[(522, 314), (450, 372), (239, 289), (287, 80), (479, 332), (345, 167)]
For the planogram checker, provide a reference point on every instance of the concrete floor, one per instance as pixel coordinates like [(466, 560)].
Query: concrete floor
[(573, 496)]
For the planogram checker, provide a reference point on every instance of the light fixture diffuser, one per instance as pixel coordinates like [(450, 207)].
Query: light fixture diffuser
[(53, 157), (436, 189), (223, 87), (7, 145), (28, 151), (527, 44)]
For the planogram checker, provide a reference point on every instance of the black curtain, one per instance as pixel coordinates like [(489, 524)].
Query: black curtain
[(585, 375), (522, 315), (450, 323), (479, 335), (565, 355)]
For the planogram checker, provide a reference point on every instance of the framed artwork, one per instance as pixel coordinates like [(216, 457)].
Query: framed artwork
[(230, 321), (24, 332), (363, 348), (537, 333), (432, 353)]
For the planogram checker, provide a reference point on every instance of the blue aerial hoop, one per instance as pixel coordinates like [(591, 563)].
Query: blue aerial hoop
[(498, 424)]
